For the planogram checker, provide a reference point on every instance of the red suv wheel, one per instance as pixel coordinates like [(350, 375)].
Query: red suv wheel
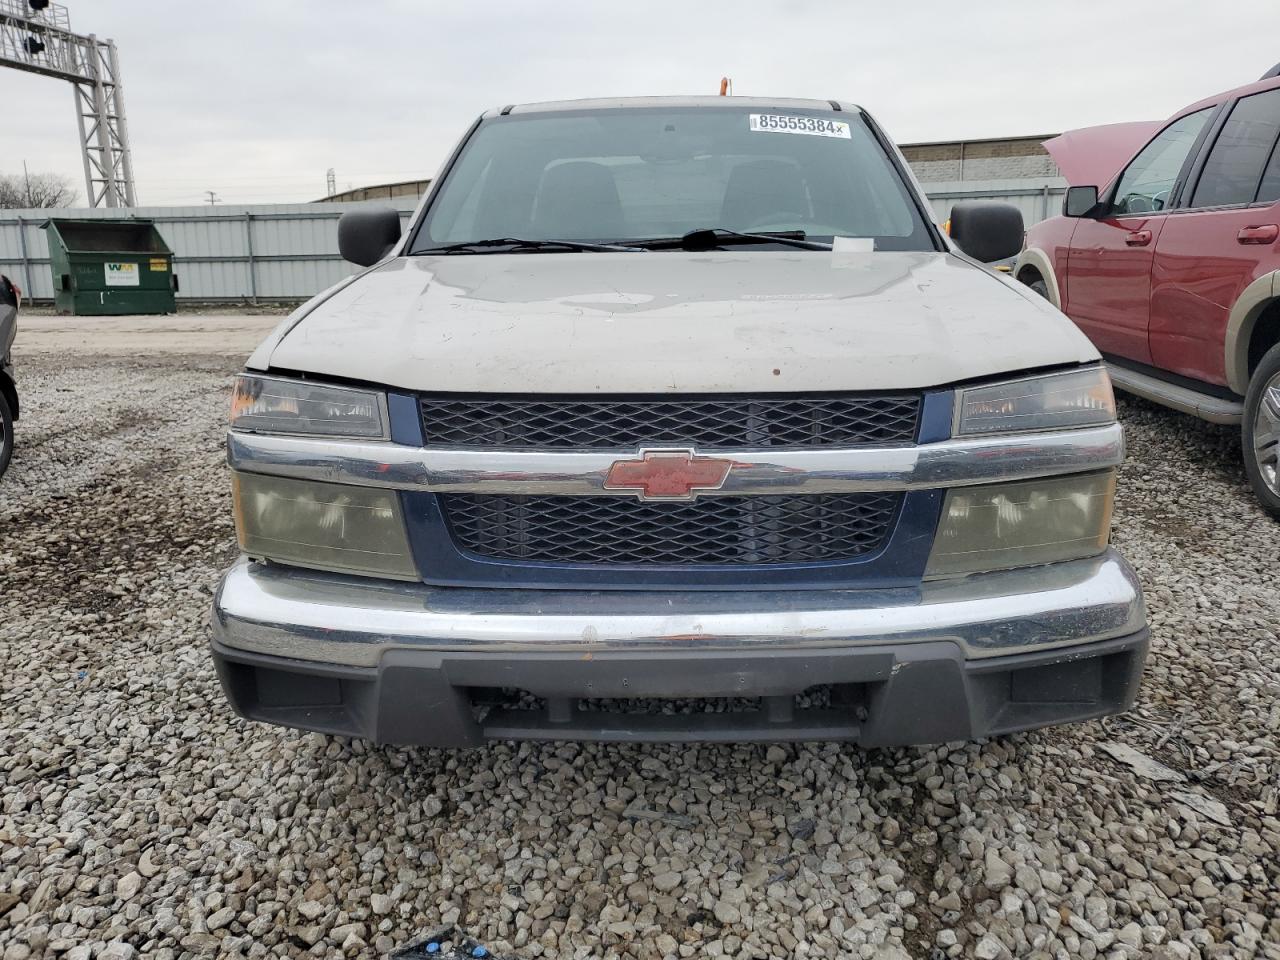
[(1260, 431)]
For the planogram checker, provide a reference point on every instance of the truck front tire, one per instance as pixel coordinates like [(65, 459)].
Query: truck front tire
[(6, 433), (1260, 432)]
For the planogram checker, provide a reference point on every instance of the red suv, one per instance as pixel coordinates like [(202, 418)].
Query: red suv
[(1173, 269)]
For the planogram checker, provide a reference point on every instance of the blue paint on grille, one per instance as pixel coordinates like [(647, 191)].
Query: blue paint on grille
[(936, 416), (406, 423)]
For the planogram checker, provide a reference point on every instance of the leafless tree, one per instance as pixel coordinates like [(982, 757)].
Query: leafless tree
[(44, 190)]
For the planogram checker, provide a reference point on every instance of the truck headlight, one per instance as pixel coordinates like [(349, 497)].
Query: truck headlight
[(1077, 398), (279, 405), (326, 526), (1023, 523)]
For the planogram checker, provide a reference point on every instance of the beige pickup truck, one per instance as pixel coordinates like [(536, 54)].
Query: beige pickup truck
[(676, 398)]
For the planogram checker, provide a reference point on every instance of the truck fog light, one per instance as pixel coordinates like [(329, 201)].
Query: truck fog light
[(1023, 523), (327, 526)]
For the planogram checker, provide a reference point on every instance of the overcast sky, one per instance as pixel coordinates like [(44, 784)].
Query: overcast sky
[(256, 99)]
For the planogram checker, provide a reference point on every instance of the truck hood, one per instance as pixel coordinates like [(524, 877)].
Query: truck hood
[(743, 322)]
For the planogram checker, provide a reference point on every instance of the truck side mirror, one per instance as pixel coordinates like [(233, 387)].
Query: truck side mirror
[(987, 231), (365, 236), (1079, 201)]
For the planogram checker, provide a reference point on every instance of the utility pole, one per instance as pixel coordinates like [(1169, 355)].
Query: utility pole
[(26, 179), (213, 197), (36, 37)]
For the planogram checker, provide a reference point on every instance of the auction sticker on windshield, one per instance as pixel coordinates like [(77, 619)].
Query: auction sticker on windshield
[(810, 126)]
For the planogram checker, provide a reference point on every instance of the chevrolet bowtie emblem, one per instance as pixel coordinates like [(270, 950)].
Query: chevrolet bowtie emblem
[(668, 474)]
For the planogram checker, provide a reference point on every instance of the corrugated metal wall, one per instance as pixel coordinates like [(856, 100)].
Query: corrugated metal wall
[(1037, 199), (263, 252), (290, 251)]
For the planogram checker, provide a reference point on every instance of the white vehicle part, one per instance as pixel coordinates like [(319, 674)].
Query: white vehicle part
[(1256, 297), (1043, 265), (718, 322)]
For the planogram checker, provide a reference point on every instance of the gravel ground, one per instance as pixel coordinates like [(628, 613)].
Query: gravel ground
[(138, 817)]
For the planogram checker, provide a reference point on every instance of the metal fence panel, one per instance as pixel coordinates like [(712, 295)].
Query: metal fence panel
[(260, 252), (1038, 200)]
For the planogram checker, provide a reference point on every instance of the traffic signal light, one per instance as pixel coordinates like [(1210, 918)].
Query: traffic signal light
[(34, 46)]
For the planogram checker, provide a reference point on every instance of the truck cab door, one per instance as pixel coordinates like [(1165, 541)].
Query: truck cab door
[(1224, 237), (1110, 261)]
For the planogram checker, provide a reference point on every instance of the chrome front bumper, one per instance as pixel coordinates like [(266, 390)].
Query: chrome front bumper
[(302, 615), (411, 664)]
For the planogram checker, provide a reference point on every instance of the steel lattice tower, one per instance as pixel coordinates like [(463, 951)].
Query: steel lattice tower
[(36, 37)]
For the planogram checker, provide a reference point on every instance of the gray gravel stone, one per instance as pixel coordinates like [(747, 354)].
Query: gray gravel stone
[(220, 918), (727, 913), (667, 881), (997, 874), (129, 886)]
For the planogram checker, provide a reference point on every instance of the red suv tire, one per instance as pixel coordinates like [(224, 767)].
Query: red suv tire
[(1260, 432)]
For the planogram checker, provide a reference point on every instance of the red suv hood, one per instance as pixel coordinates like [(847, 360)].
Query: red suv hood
[(1094, 155)]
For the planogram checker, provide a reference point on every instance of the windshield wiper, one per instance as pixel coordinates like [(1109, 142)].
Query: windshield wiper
[(514, 244), (709, 238)]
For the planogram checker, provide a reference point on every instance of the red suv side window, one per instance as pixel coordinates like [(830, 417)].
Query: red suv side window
[(1233, 171), (1148, 181)]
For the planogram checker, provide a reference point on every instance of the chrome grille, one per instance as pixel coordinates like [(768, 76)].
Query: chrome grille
[(707, 423), (616, 531)]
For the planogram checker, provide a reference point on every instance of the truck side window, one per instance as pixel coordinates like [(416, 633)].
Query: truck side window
[(1232, 171), (1148, 181)]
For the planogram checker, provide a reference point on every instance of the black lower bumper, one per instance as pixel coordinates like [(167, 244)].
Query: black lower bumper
[(877, 696)]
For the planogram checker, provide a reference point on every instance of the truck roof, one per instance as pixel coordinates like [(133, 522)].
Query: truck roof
[(623, 103)]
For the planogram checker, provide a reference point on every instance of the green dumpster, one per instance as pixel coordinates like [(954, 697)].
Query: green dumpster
[(105, 267)]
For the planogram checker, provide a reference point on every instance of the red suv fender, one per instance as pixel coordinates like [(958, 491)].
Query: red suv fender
[(1250, 305), (1042, 263)]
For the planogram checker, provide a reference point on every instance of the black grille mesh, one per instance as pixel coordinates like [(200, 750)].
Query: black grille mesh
[(705, 423), (711, 530)]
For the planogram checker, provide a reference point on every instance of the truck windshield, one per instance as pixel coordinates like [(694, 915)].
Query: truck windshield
[(640, 173)]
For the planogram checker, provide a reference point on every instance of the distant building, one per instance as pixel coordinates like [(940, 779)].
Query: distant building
[(381, 191), (999, 158), (1015, 170)]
